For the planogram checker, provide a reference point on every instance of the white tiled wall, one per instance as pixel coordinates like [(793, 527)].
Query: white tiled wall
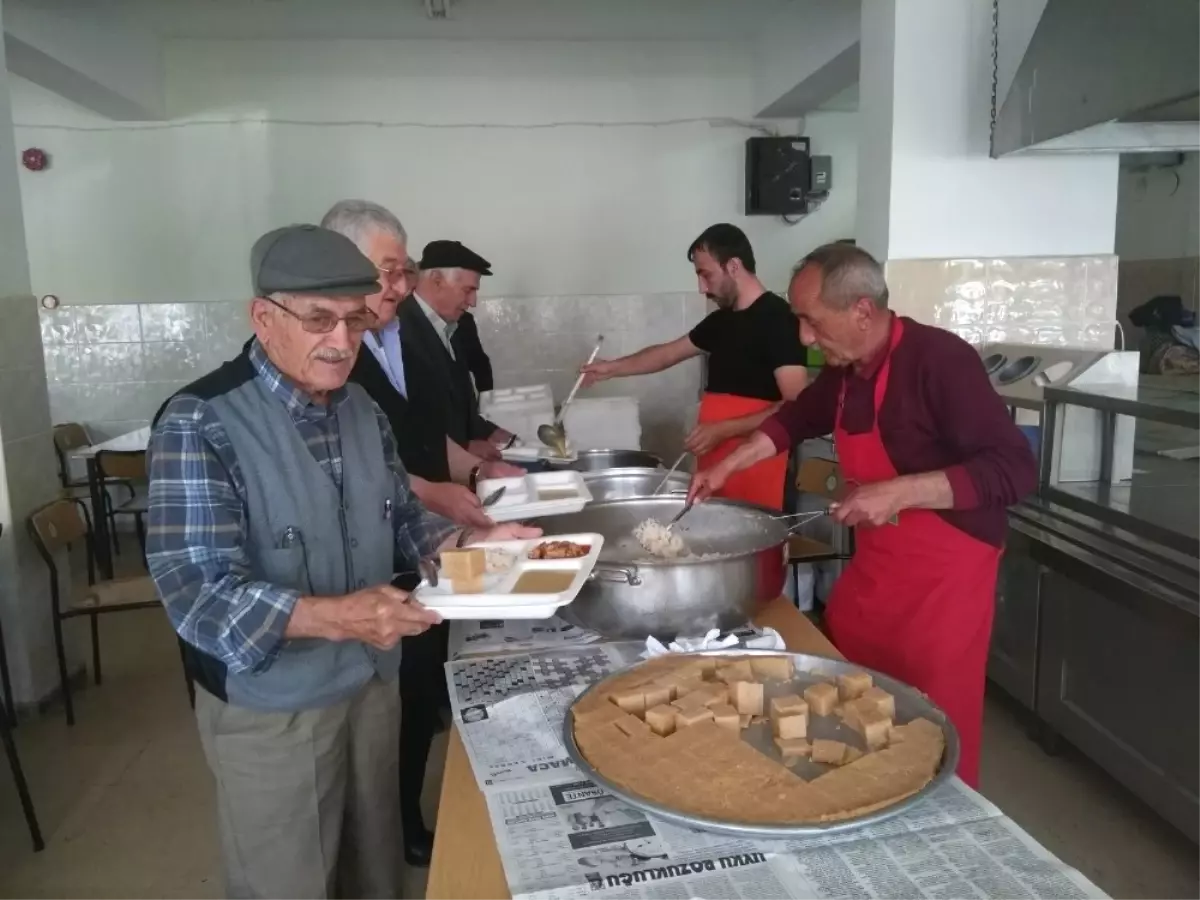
[(28, 479), (1068, 301), (111, 366), (543, 340)]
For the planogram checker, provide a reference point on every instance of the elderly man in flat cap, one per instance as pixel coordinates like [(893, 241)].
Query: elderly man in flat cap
[(279, 512), (439, 378)]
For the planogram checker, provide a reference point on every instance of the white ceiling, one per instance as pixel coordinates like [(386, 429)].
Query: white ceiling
[(737, 20)]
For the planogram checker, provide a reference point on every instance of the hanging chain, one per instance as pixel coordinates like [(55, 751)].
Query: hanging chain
[(995, 73)]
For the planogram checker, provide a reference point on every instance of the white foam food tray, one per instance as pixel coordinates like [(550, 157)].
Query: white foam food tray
[(535, 495), (538, 452), (500, 597)]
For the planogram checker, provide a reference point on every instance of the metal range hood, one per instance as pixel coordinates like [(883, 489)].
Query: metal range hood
[(1106, 76)]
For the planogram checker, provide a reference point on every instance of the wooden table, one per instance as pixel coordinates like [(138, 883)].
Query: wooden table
[(466, 862)]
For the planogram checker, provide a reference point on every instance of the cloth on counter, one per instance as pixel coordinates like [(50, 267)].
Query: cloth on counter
[(1188, 336), (1161, 354), (1162, 313)]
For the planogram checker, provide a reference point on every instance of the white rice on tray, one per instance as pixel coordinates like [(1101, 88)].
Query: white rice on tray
[(659, 540)]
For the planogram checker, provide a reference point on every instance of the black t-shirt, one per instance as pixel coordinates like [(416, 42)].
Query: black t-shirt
[(746, 346)]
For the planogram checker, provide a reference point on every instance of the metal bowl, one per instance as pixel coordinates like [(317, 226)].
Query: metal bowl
[(595, 460), (626, 484), (738, 559)]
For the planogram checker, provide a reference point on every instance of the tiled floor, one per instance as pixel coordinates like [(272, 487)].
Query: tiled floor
[(126, 805)]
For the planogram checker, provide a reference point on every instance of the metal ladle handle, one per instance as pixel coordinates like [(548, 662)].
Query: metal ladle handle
[(562, 410), (671, 471), (804, 517)]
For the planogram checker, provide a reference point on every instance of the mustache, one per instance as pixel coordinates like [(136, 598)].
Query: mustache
[(331, 355)]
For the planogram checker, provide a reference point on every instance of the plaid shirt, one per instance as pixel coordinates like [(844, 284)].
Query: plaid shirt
[(196, 537)]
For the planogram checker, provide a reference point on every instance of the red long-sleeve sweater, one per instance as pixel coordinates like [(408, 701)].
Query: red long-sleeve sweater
[(939, 413)]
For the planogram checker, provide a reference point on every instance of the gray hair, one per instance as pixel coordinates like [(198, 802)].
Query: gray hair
[(847, 273), (450, 275), (356, 219)]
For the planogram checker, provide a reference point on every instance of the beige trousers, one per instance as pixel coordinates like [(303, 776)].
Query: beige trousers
[(307, 802)]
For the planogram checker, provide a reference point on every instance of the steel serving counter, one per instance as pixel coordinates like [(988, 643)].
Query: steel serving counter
[(1097, 629)]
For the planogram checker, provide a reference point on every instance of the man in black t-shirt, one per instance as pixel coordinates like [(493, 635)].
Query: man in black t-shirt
[(755, 360)]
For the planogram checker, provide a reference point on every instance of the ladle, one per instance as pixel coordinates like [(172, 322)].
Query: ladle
[(553, 435)]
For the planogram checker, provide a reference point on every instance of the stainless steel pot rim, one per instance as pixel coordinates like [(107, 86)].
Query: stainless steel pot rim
[(596, 451), (704, 559), (629, 472)]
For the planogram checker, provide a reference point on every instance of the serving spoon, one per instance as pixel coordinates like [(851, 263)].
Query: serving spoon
[(554, 435)]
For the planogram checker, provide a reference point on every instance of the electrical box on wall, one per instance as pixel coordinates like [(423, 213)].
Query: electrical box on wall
[(782, 179)]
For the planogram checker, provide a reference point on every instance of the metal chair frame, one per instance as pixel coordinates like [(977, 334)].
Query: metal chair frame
[(8, 721)]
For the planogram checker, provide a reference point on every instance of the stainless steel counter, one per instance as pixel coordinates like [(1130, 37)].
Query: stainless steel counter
[(1098, 633)]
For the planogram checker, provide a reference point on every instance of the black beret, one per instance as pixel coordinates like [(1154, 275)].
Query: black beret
[(453, 255), (307, 259)]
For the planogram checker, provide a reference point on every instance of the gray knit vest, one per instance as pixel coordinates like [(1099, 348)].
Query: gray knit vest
[(303, 533)]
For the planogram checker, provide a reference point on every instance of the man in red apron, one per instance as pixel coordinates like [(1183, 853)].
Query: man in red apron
[(921, 437), (755, 361)]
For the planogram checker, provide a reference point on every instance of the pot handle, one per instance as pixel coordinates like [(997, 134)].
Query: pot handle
[(621, 574)]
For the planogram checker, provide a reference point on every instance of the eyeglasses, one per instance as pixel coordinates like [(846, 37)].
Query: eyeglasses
[(322, 321), (396, 273)]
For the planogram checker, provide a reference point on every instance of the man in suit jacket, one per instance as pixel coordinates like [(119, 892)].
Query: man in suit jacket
[(466, 342), (435, 358), (431, 460)]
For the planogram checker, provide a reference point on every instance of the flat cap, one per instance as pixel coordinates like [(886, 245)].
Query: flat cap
[(307, 259), (453, 255)]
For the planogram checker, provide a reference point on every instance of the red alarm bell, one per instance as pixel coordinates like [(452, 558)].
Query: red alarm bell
[(34, 159)]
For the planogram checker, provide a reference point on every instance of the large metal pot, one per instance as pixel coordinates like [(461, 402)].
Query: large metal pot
[(595, 460), (625, 484), (738, 558)]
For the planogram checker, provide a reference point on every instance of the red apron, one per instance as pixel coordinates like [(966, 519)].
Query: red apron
[(917, 599), (761, 483)]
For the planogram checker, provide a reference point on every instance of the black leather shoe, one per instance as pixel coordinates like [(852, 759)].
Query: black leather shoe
[(418, 848)]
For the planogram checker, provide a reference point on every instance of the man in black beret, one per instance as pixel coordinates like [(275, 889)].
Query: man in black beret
[(440, 379)]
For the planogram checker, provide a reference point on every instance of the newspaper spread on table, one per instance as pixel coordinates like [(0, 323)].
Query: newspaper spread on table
[(484, 636), (562, 836)]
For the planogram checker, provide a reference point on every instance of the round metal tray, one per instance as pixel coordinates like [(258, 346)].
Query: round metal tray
[(910, 704)]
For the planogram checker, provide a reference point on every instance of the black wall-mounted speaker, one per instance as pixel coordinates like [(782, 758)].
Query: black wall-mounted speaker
[(778, 176)]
